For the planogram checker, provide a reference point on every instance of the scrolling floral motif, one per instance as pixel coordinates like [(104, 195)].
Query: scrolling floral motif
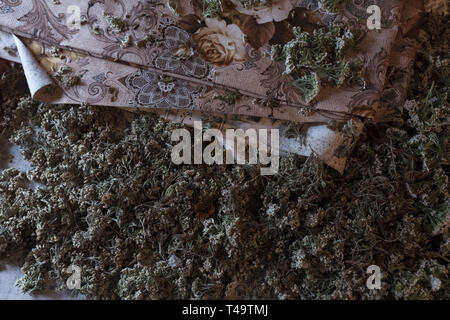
[(43, 24), (6, 6), (142, 20), (154, 36), (96, 91), (361, 103), (279, 85)]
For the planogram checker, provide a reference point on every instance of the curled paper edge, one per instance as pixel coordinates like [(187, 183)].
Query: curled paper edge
[(37, 78)]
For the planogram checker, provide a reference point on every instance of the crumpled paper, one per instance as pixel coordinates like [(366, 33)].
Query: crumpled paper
[(148, 74)]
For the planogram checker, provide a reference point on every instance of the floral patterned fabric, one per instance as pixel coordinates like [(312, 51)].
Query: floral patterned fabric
[(171, 59)]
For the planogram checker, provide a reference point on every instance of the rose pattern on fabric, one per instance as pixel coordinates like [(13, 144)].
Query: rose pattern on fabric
[(219, 43)]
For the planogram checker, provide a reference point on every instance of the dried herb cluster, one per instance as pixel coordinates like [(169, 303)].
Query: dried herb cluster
[(320, 55)]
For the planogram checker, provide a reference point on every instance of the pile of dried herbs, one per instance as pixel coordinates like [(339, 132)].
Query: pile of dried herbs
[(141, 228), (319, 56)]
